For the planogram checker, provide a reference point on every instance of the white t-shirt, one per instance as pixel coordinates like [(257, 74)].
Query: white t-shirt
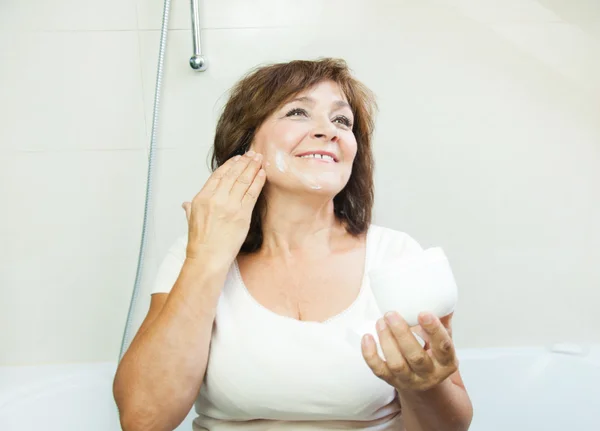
[(267, 371)]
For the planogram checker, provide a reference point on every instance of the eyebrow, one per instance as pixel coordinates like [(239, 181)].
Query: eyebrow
[(311, 101)]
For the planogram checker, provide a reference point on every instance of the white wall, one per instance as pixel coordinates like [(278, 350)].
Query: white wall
[(488, 144)]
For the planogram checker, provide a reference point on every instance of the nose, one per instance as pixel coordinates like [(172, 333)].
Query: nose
[(325, 131)]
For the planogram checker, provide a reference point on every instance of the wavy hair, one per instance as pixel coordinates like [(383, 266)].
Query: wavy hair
[(265, 89)]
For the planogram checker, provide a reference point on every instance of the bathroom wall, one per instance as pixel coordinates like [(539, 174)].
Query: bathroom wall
[(487, 144)]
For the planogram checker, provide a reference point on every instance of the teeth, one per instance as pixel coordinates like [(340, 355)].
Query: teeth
[(317, 156)]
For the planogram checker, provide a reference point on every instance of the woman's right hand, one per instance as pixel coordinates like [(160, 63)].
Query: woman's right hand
[(219, 215)]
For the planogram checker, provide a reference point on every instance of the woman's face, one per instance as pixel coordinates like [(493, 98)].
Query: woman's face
[(308, 143)]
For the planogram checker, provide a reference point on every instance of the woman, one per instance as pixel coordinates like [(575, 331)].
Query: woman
[(250, 313)]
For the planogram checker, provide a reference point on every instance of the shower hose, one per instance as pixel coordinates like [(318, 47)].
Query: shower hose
[(148, 200)]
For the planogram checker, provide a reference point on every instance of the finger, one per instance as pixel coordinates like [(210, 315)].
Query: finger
[(231, 176), (214, 179), (417, 330), (420, 332), (441, 343), (417, 358), (393, 356), (447, 322), (187, 206), (253, 192), (373, 360), (246, 178)]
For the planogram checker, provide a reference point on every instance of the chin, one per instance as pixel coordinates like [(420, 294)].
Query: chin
[(302, 183), (321, 189)]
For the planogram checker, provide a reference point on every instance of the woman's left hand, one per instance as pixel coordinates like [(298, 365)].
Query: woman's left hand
[(407, 365)]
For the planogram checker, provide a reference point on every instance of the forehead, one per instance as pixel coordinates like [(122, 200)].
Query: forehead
[(324, 89)]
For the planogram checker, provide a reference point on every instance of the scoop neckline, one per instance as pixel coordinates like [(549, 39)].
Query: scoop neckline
[(353, 304)]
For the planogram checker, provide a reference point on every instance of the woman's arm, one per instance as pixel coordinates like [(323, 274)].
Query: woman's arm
[(445, 407), (160, 374), (429, 385)]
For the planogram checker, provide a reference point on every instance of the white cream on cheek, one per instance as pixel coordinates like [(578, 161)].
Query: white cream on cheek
[(280, 161), (284, 167)]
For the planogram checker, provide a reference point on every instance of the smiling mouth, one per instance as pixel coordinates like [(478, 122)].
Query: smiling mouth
[(320, 157)]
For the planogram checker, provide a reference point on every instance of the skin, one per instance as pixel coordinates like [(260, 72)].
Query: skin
[(428, 381), (161, 373), (308, 253), (305, 250), (315, 268), (318, 119)]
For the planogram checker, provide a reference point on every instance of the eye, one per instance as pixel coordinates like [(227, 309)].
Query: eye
[(342, 119), (297, 112)]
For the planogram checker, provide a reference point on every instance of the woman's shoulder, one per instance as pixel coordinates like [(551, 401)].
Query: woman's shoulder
[(388, 243), (176, 250), (170, 266)]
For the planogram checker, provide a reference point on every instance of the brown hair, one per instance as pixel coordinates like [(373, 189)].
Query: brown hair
[(267, 88)]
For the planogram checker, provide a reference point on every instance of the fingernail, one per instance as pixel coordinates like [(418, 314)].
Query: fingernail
[(258, 157), (381, 325), (392, 317), (250, 153), (366, 341), (427, 318), (236, 158)]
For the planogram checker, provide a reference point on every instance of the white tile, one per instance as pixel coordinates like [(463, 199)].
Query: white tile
[(490, 153), (191, 101), (68, 15), (285, 13), (593, 30), (410, 60), (150, 14), (564, 47), (179, 174), (580, 12), (70, 224), (71, 90), (490, 11), (457, 108), (187, 113)]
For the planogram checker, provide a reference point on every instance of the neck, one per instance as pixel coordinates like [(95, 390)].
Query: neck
[(293, 224)]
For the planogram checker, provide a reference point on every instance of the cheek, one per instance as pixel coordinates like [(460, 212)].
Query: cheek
[(287, 135), (349, 148), (277, 138)]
